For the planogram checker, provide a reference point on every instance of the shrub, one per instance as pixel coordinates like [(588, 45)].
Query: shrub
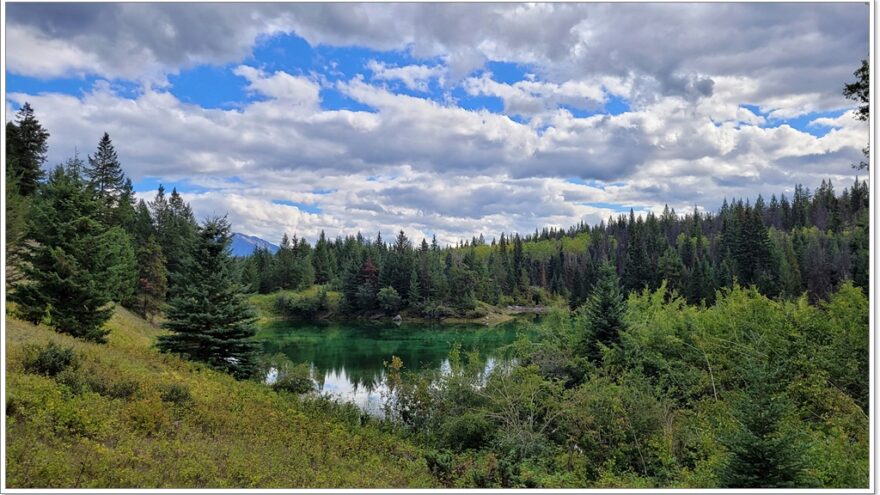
[(50, 360), (124, 389), (389, 300), (177, 394), (436, 310), (467, 431), (478, 312), (302, 306), (296, 380)]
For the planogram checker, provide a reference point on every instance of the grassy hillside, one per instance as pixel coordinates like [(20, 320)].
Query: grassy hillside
[(123, 415)]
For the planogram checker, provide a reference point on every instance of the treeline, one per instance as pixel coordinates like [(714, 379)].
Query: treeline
[(79, 243), (810, 244)]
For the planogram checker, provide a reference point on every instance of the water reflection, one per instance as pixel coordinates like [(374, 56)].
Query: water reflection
[(347, 359)]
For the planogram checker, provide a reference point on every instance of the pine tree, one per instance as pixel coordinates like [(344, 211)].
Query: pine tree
[(105, 174), (77, 267), (176, 231), (209, 318), (860, 91), (414, 295), (762, 453), (26, 148), (603, 313), (16, 224), (152, 279)]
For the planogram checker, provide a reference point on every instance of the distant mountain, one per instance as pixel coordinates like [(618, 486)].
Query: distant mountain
[(244, 245)]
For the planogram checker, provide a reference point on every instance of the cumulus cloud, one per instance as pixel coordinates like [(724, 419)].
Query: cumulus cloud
[(414, 77), (789, 53), (691, 73), (529, 97), (424, 167)]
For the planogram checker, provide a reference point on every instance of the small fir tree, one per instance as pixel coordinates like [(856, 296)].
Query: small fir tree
[(603, 313)]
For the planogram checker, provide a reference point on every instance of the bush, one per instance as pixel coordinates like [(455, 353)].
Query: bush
[(50, 360), (389, 300), (467, 431), (436, 310), (302, 306), (478, 312), (177, 394), (296, 380), (123, 389)]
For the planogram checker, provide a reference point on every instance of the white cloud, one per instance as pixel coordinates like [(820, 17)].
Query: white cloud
[(414, 77), (412, 163), (425, 167), (281, 86)]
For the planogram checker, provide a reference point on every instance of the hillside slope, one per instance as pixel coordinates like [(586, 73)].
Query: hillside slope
[(114, 419)]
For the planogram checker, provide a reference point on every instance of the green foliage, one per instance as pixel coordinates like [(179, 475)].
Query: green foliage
[(106, 176), (302, 305), (49, 360), (26, 149), (177, 394), (603, 315), (77, 266), (389, 300), (860, 92), (90, 440), (295, 379), (209, 318), (152, 284), (764, 453)]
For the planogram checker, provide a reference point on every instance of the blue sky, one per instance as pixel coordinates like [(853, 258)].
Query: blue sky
[(303, 118)]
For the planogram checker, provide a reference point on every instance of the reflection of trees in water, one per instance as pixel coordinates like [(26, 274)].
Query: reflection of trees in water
[(368, 380), (349, 358)]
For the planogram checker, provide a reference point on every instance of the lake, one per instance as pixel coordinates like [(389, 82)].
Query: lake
[(347, 359)]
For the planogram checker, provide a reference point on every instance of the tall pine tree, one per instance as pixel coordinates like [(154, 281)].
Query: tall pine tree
[(105, 174), (26, 148)]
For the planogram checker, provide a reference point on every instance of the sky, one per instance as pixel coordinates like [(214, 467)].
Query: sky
[(446, 119)]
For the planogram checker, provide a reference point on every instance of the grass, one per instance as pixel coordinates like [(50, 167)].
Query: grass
[(265, 303), (124, 415)]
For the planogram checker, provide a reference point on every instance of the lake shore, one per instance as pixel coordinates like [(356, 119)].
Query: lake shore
[(483, 314)]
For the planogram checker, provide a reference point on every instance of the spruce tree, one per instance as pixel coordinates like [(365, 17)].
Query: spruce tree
[(860, 91), (77, 266), (26, 148), (603, 313), (414, 294), (105, 174), (208, 317), (176, 231), (763, 454), (152, 282)]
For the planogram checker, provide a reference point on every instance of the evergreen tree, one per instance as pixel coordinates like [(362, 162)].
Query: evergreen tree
[(176, 231), (209, 318), (152, 279), (763, 454), (603, 314), (860, 91), (77, 267), (106, 176), (414, 295), (323, 261), (26, 148), (16, 225)]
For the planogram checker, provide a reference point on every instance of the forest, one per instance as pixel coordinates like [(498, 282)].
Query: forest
[(723, 348)]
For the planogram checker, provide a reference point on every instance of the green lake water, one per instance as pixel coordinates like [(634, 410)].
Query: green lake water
[(347, 359)]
